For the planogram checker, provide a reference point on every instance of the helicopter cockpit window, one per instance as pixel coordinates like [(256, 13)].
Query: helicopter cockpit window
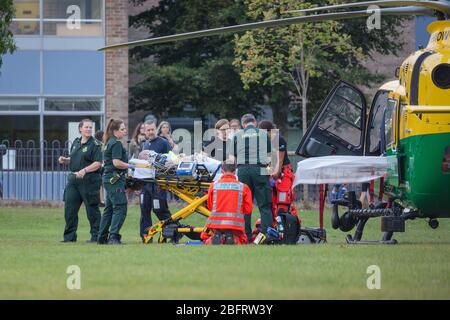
[(389, 123), (378, 108), (343, 116)]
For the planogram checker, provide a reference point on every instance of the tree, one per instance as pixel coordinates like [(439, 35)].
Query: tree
[(6, 36), (288, 56), (197, 72), (304, 61), (386, 40)]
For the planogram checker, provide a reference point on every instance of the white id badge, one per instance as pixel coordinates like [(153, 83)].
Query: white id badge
[(142, 198), (156, 204)]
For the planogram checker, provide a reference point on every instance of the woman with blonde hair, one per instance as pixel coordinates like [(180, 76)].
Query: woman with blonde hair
[(164, 130)]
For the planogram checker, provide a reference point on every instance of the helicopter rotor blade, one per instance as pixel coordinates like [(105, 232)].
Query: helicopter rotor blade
[(269, 24), (442, 6)]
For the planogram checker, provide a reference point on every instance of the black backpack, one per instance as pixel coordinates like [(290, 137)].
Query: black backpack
[(291, 227)]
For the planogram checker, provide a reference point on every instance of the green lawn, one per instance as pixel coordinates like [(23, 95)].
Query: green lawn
[(33, 264)]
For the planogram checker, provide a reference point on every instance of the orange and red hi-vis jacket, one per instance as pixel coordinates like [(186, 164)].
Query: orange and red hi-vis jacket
[(228, 201)]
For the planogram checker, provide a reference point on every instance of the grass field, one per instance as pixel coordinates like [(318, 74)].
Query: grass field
[(33, 264)]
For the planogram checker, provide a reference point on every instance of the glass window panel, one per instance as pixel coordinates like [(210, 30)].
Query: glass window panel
[(24, 28), (377, 118), (389, 123), (20, 73), (18, 127), (345, 109), (62, 9), (19, 105), (72, 105), (74, 73), (62, 29), (341, 129), (350, 94), (27, 9), (56, 128)]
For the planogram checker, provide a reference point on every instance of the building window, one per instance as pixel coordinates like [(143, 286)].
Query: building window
[(64, 128), (66, 18), (16, 127), (74, 73), (19, 104), (62, 18), (26, 20), (62, 104)]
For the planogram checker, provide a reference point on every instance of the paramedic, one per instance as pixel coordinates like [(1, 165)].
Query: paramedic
[(229, 201)]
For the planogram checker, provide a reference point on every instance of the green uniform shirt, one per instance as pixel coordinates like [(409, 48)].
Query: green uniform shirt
[(250, 146), (113, 150), (83, 155)]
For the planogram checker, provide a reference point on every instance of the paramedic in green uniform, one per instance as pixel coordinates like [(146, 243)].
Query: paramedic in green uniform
[(250, 148), (115, 167), (83, 182)]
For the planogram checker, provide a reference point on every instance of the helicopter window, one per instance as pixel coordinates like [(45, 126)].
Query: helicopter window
[(343, 116), (375, 123), (389, 123)]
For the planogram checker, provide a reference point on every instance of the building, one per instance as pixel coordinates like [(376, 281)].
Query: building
[(57, 77)]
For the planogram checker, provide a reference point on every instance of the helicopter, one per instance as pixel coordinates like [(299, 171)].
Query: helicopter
[(407, 122)]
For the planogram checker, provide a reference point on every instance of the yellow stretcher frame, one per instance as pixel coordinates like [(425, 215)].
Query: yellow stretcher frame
[(188, 191)]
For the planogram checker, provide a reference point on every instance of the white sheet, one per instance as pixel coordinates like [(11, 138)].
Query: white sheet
[(341, 169)]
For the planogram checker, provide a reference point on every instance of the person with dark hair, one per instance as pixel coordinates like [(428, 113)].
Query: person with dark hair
[(235, 126), (115, 167), (282, 174), (137, 140), (251, 147), (217, 147), (229, 201), (83, 182), (284, 162), (99, 135), (152, 197)]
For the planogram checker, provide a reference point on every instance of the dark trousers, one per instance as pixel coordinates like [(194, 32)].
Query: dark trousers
[(80, 191), (261, 190), (152, 198), (115, 211)]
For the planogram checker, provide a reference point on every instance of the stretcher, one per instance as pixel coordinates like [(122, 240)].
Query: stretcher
[(190, 186)]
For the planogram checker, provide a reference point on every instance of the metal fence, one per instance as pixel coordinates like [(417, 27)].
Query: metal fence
[(29, 171)]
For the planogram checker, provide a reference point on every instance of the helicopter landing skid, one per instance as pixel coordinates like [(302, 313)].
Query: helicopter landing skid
[(392, 219), (350, 240)]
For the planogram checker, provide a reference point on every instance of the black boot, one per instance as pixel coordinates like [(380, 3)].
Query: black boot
[(114, 239), (229, 238), (102, 239), (217, 237)]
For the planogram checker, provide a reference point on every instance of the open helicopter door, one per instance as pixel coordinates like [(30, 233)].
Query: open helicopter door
[(338, 128)]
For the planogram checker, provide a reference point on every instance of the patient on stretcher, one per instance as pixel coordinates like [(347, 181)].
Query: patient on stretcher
[(228, 200)]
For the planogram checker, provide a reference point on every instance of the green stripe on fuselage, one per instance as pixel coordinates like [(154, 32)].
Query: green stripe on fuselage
[(425, 185)]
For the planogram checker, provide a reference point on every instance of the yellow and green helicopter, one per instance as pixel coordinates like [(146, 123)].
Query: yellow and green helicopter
[(408, 120)]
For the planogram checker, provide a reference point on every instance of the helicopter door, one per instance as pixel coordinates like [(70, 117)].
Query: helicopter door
[(338, 127), (376, 117)]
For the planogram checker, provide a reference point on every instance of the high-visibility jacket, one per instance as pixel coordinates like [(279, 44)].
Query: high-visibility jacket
[(228, 200)]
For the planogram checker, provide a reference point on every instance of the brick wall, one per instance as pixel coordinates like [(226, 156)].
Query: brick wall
[(117, 60), (138, 34)]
